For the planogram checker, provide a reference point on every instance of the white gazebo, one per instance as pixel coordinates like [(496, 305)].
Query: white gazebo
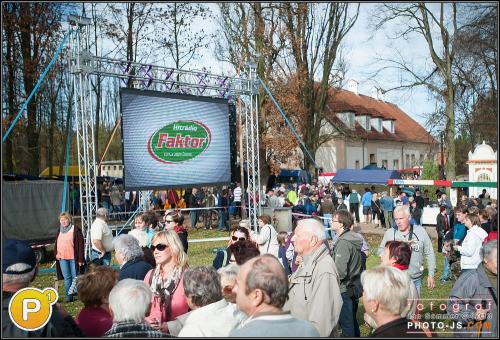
[(482, 168)]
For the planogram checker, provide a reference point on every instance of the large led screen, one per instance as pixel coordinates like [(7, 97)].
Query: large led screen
[(173, 140)]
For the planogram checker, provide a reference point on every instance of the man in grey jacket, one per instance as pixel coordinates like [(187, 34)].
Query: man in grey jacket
[(474, 297), (347, 256), (420, 243), (314, 293)]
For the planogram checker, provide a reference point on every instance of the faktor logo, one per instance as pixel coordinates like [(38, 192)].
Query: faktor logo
[(179, 141)]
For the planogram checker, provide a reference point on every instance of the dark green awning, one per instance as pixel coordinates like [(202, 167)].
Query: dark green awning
[(466, 184)]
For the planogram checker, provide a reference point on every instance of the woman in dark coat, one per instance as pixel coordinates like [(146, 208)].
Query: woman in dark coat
[(69, 249), (442, 225), (175, 221)]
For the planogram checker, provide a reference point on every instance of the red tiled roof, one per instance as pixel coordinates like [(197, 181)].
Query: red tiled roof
[(407, 129)]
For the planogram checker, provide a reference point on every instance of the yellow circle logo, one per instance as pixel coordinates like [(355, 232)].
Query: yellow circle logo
[(31, 308)]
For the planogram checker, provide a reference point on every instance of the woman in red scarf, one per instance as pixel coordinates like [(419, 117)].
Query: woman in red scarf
[(397, 254), (175, 221)]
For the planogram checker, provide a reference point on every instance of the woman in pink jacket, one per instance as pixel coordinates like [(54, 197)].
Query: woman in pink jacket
[(165, 280)]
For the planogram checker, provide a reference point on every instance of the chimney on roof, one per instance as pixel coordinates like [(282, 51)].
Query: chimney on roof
[(352, 85)]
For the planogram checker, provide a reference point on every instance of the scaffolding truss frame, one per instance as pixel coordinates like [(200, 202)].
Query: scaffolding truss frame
[(84, 65)]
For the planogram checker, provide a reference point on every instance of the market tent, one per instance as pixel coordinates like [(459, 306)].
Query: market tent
[(359, 176)]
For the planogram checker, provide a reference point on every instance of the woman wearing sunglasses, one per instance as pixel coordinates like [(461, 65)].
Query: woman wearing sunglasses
[(169, 300), (224, 255), (175, 221)]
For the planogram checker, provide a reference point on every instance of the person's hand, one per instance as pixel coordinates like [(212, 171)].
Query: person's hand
[(298, 260), (101, 254), (155, 323), (164, 327), (80, 264), (430, 282)]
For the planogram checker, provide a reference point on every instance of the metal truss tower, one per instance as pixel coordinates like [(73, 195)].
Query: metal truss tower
[(84, 65), (84, 122)]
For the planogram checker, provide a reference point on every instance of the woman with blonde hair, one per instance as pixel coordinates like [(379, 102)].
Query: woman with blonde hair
[(69, 249), (165, 280)]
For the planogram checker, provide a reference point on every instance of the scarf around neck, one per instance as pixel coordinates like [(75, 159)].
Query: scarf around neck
[(64, 229), (163, 288)]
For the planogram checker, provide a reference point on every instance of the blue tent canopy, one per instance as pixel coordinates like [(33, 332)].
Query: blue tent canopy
[(359, 176)]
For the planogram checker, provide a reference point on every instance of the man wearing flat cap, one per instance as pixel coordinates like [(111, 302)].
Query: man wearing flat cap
[(19, 269)]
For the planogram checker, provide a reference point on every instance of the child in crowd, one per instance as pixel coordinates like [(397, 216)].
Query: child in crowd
[(282, 240)]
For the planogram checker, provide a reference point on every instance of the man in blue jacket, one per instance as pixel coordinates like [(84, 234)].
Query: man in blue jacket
[(387, 203), (366, 201)]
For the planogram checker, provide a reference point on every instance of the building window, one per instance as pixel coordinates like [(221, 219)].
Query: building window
[(421, 159), (483, 178), (412, 160), (372, 158), (357, 165), (114, 167), (407, 163), (395, 164), (384, 164)]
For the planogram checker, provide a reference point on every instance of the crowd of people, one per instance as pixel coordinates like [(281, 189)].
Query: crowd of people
[(267, 282)]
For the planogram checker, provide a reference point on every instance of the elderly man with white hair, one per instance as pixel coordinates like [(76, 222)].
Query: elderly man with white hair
[(386, 293), (130, 257), (474, 298), (102, 237), (129, 302), (420, 243), (314, 293)]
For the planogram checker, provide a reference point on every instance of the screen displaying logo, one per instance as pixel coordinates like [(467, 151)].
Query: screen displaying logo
[(179, 141), (30, 308)]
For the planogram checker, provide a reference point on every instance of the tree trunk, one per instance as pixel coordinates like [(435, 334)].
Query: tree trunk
[(9, 59), (130, 44), (53, 116), (450, 136), (29, 71)]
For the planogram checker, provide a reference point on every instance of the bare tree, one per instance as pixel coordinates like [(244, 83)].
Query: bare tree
[(10, 49), (438, 24), (315, 33), (476, 71), (178, 35), (253, 32), (36, 25)]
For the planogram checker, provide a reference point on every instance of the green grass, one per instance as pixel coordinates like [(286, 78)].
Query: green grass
[(203, 254)]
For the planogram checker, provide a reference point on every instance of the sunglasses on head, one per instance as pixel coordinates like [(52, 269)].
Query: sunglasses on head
[(168, 221), (234, 238), (160, 247)]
